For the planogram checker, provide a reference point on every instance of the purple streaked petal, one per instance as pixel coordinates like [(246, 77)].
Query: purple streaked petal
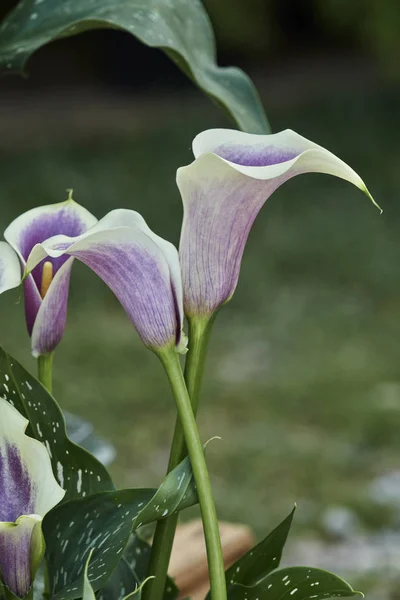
[(17, 543), (219, 212), (141, 269), (33, 301), (37, 225), (10, 268), (18, 490), (27, 483), (28, 490), (223, 190), (51, 317)]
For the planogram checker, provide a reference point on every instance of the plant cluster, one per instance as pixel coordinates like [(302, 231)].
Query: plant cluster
[(66, 531)]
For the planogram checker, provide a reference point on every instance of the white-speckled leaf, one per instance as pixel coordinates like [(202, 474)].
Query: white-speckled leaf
[(131, 572), (122, 581), (76, 470), (102, 524), (262, 559), (88, 593), (178, 489), (180, 28), (295, 583)]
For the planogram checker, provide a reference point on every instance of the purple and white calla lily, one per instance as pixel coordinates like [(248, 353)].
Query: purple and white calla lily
[(223, 190), (141, 268), (46, 287), (28, 491)]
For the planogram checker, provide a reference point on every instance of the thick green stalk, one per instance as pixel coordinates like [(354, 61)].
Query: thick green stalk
[(45, 376), (45, 370), (170, 360), (199, 334)]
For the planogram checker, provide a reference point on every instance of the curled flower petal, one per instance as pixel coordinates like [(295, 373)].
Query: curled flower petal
[(29, 229), (141, 269), (223, 190), (10, 269), (18, 561), (53, 309), (28, 490)]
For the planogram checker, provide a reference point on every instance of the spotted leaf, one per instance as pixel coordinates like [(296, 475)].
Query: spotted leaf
[(255, 575), (76, 470), (262, 559), (101, 524), (295, 583), (88, 593), (131, 572), (178, 489), (122, 581), (180, 28)]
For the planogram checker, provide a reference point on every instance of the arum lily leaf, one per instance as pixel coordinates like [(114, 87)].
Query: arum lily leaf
[(177, 490), (76, 470), (131, 572), (102, 524), (262, 559), (137, 554), (88, 593), (122, 580), (180, 28), (254, 576), (295, 583)]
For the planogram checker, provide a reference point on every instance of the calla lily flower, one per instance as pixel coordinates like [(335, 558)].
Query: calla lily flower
[(223, 190), (46, 287), (141, 268), (28, 490)]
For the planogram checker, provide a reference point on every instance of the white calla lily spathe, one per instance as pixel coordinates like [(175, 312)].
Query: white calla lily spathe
[(223, 190), (28, 491), (141, 268), (46, 287), (10, 268)]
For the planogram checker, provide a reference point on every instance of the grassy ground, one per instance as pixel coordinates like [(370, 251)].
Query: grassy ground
[(303, 380)]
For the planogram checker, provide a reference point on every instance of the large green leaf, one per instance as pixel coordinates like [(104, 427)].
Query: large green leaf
[(123, 581), (262, 559), (101, 525), (119, 589), (179, 27), (88, 593), (77, 471), (131, 573), (137, 555), (295, 583), (254, 576), (178, 489)]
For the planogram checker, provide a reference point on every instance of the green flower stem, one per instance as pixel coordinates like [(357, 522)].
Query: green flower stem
[(45, 371), (216, 569), (45, 376), (199, 334)]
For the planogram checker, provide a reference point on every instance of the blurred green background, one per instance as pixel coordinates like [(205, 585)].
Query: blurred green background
[(303, 377), (259, 25)]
